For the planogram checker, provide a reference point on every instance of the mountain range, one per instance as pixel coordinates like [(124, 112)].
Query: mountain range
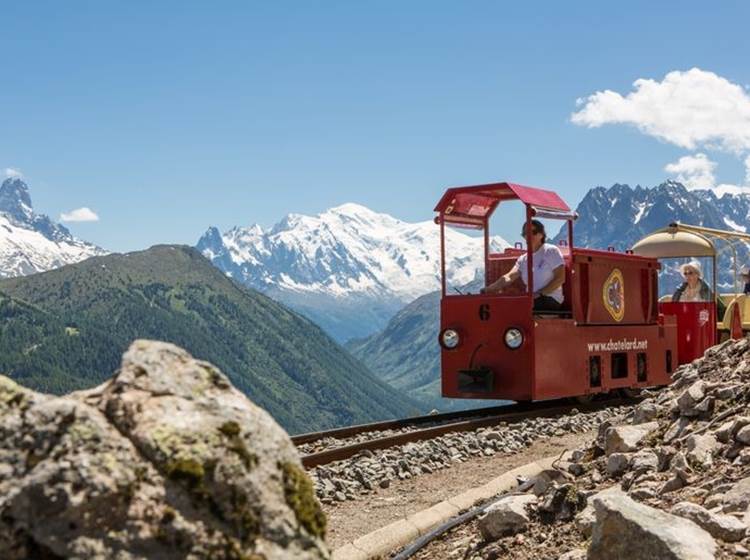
[(66, 329), (31, 242), (349, 269), (620, 215)]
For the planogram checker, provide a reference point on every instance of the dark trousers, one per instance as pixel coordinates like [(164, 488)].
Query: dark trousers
[(546, 303)]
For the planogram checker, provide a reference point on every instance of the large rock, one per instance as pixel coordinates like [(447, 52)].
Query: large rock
[(506, 517), (738, 497), (618, 463), (701, 449), (625, 529), (624, 439), (585, 520), (725, 527), (165, 460), (689, 399), (645, 412)]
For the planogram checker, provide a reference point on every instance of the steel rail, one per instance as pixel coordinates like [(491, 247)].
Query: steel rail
[(349, 431), (533, 410)]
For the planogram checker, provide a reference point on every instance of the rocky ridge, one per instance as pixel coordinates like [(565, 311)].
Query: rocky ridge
[(165, 460), (671, 479), (620, 215)]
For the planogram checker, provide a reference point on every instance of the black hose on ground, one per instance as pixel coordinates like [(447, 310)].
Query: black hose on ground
[(424, 540)]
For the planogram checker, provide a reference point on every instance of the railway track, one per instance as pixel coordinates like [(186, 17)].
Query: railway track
[(413, 430)]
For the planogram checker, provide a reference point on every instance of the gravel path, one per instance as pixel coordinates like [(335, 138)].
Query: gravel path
[(352, 519)]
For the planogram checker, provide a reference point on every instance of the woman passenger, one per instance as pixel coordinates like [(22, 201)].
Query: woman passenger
[(694, 288)]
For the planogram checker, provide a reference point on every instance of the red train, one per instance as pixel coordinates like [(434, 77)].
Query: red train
[(610, 332)]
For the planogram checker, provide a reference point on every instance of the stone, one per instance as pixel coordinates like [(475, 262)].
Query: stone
[(743, 435), (700, 449), (625, 439), (679, 466), (727, 392), (548, 478), (725, 527), (618, 463), (506, 517), (665, 453), (644, 461), (737, 498), (676, 429), (576, 469), (713, 501), (625, 529), (164, 460), (689, 399), (739, 423), (724, 432), (584, 521), (645, 412), (706, 406)]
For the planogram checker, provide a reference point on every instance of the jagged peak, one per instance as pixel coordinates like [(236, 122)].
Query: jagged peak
[(211, 238), (15, 198), (673, 184)]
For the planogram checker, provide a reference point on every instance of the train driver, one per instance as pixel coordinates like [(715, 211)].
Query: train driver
[(549, 271)]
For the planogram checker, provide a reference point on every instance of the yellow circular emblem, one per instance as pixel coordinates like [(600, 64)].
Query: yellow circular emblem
[(613, 294)]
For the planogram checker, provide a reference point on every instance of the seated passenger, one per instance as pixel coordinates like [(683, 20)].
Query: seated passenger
[(549, 271), (694, 288), (745, 273)]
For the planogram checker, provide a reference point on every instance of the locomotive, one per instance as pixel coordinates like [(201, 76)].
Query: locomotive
[(612, 332)]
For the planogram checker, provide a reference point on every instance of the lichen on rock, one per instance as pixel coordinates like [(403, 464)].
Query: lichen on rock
[(298, 491)]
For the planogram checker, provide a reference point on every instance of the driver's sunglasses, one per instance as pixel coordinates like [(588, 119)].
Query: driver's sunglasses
[(533, 232), (689, 273)]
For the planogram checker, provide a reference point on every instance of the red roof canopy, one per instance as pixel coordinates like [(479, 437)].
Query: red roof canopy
[(471, 206)]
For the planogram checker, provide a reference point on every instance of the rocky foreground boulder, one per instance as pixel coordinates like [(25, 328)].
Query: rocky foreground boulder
[(165, 460)]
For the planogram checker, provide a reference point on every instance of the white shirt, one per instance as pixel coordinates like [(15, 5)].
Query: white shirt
[(545, 260)]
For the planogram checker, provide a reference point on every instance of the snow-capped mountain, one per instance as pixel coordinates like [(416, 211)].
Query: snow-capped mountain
[(349, 269), (620, 215), (31, 242)]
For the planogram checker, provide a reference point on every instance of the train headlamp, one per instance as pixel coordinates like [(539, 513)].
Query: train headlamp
[(450, 339), (513, 338)]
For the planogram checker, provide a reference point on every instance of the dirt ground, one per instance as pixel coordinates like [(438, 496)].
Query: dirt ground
[(350, 520)]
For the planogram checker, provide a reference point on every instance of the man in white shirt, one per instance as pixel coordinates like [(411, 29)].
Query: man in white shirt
[(549, 271)]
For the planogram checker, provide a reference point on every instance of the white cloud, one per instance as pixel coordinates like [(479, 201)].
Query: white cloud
[(721, 190), (695, 172), (690, 109), (83, 214), (13, 173)]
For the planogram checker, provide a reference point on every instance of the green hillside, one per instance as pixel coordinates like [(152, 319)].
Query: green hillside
[(67, 329)]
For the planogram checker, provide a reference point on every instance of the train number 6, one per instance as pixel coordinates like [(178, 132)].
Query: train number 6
[(484, 312)]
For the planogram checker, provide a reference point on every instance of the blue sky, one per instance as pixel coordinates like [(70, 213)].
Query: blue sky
[(165, 119)]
